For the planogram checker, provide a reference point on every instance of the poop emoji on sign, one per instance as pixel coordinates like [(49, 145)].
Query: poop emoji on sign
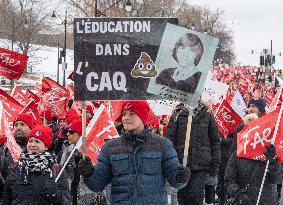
[(144, 67)]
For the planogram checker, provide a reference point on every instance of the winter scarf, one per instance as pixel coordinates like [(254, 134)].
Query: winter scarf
[(37, 162)]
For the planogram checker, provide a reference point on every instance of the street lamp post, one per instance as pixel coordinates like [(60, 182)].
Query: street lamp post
[(64, 50), (64, 64), (59, 60)]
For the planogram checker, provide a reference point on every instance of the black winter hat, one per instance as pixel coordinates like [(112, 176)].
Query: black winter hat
[(259, 103)]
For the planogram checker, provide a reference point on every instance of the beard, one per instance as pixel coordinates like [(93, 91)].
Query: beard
[(19, 134)]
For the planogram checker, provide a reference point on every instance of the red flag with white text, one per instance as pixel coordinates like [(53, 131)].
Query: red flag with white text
[(54, 97), (11, 108), (12, 64), (100, 128), (20, 96), (14, 148), (227, 119), (253, 138), (114, 107)]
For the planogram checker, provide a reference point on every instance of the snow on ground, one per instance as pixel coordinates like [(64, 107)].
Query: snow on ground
[(43, 62)]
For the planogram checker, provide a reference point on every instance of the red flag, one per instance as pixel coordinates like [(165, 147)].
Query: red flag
[(12, 64), (54, 97), (11, 108), (31, 109), (114, 107), (38, 88), (252, 140), (18, 95), (14, 148), (100, 128), (32, 96), (276, 102), (227, 119)]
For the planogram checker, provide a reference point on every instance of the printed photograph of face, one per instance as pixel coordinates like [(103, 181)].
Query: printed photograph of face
[(188, 50), (183, 61), (187, 54)]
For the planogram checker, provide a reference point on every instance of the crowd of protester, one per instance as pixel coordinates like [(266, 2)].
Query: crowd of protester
[(142, 166)]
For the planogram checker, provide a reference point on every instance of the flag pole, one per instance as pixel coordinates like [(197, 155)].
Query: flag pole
[(188, 137), (272, 142), (84, 128)]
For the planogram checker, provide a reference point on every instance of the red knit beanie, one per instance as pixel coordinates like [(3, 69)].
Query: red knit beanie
[(71, 115), (140, 107), (47, 116), (26, 118), (76, 125), (44, 133)]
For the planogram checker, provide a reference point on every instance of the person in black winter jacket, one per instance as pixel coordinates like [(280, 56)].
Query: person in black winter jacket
[(80, 194), (229, 146), (23, 123), (32, 179), (204, 149), (243, 179)]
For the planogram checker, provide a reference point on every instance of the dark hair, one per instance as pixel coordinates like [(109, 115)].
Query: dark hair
[(70, 103), (189, 40)]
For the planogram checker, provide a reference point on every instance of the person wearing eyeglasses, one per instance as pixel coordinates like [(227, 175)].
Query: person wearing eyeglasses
[(79, 192)]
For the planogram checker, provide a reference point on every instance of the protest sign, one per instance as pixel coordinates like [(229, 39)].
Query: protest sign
[(114, 57), (214, 90), (183, 61)]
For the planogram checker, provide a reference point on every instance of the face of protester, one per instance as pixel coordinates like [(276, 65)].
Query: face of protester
[(36, 145), (62, 123), (132, 122), (253, 109), (186, 56), (21, 129), (73, 137)]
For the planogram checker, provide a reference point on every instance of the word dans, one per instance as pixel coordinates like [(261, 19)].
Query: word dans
[(115, 49)]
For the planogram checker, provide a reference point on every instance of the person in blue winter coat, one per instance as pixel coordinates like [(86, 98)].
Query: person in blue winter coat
[(137, 164)]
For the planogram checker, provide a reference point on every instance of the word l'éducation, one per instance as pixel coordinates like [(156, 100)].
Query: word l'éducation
[(112, 26)]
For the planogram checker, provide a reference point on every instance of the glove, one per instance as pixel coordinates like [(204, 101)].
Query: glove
[(85, 167), (183, 174), (235, 190), (50, 188), (270, 152)]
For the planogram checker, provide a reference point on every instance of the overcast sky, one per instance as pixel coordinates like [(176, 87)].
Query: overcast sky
[(257, 23)]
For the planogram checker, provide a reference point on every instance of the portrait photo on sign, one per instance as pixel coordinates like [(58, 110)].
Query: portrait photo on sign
[(183, 60)]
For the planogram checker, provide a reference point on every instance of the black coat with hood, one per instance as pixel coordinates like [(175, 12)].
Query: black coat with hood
[(204, 148)]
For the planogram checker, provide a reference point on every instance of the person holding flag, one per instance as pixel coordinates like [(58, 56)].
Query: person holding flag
[(80, 194), (22, 125), (243, 178), (32, 178), (137, 164), (253, 171)]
